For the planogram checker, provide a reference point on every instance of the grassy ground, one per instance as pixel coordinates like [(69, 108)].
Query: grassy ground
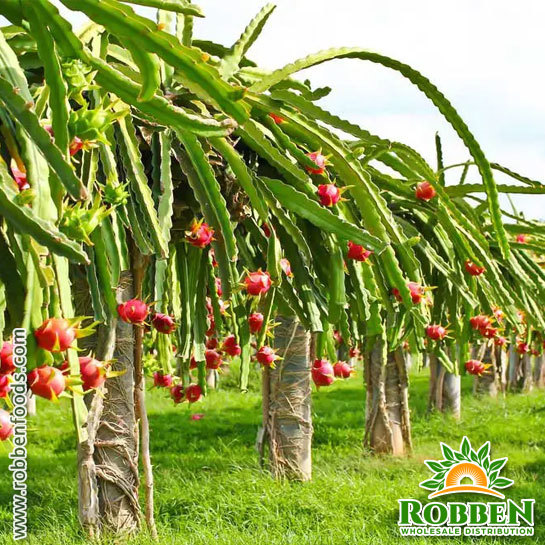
[(210, 489)]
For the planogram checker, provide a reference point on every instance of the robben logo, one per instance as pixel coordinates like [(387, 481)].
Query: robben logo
[(466, 470), (471, 472)]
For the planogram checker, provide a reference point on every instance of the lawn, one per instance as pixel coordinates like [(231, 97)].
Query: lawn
[(210, 488)]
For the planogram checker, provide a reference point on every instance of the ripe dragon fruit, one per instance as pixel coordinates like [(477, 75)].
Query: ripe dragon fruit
[(480, 321), (266, 356), (6, 427), (212, 343), (436, 332), (322, 373), (6, 359), (357, 252), (20, 177), (473, 269), (47, 382), (417, 292), (55, 335), (255, 321), (424, 191), (500, 341), (489, 332), (200, 235), (329, 194), (342, 370), (475, 367), (5, 388), (193, 393), (319, 160), (231, 347), (163, 323), (177, 393), (285, 265), (213, 359), (160, 380), (257, 283), (93, 373), (134, 311)]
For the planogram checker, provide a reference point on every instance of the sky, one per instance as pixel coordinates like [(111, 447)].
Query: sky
[(486, 56)]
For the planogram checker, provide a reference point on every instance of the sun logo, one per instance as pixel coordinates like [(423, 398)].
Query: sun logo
[(466, 470)]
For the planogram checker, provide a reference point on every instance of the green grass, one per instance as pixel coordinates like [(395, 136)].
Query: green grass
[(210, 489)]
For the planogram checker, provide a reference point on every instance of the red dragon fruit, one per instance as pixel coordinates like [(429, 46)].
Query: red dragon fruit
[(134, 311), (213, 359), (424, 191), (489, 332), (5, 388), (436, 332), (354, 353), (342, 370), (498, 313), (231, 347), (255, 321), (200, 235), (6, 427), (163, 323), (6, 359), (258, 283), (475, 367), (20, 177), (160, 380), (93, 373), (322, 373), (219, 288), (357, 252), (266, 356), (76, 145), (500, 341), (276, 118), (417, 292), (473, 269), (193, 393), (286, 267), (480, 321), (177, 393), (193, 363), (319, 160), (212, 343), (47, 382), (329, 194), (55, 335), (211, 327)]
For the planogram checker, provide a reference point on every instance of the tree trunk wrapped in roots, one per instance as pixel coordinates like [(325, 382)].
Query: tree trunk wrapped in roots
[(116, 442), (445, 391), (488, 382), (501, 362), (539, 371), (387, 426), (287, 411), (520, 371)]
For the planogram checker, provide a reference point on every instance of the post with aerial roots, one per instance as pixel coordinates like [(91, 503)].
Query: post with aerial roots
[(287, 400), (539, 371), (445, 389), (116, 442), (488, 382), (387, 418)]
